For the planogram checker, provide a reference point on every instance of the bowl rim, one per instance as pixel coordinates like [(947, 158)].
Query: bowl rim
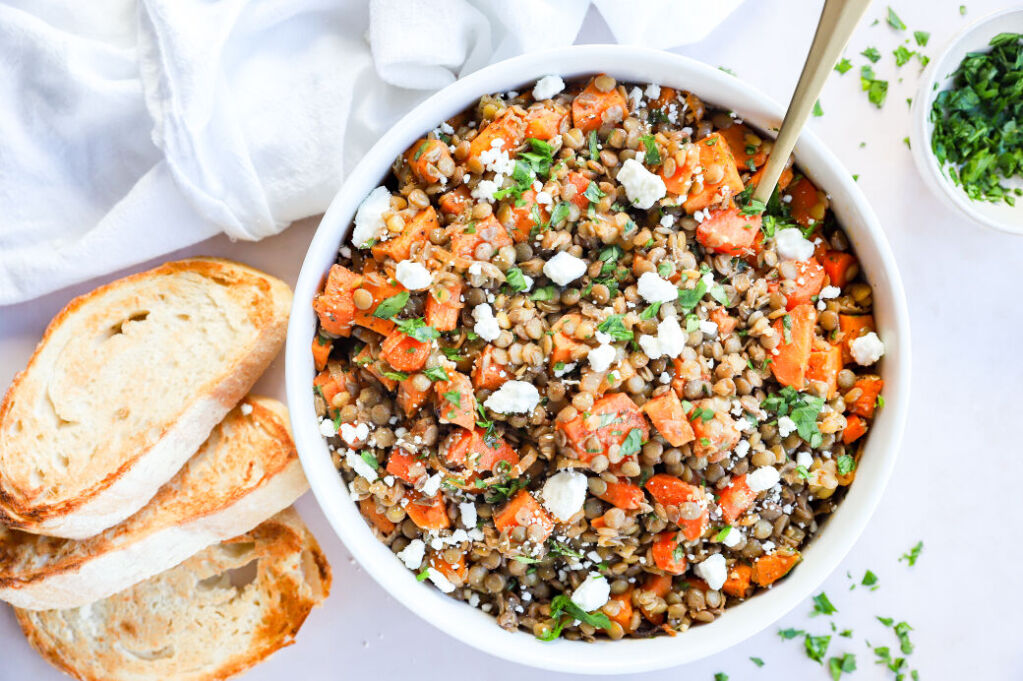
[(921, 128), (738, 623)]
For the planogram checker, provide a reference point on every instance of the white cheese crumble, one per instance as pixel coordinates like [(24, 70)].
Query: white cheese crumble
[(547, 87), (709, 328), (829, 292), (564, 370), (467, 510), (496, 159), (440, 581), (564, 268), (786, 426), (564, 494), (486, 326), (412, 275), (641, 186), (656, 290), (804, 459), (653, 91), (327, 428), (790, 244), (763, 478), (732, 538), (601, 357), (667, 220), (432, 484), (514, 397), (593, 593), (670, 340), (713, 571), (246, 408), (485, 189), (360, 467), (354, 433), (412, 555), (544, 198), (369, 219), (742, 449), (867, 349)]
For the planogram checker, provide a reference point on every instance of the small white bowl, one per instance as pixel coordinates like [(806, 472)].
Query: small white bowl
[(472, 626), (937, 77)]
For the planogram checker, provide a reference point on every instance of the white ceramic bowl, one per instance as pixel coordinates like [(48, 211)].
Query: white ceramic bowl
[(821, 558), (974, 38)]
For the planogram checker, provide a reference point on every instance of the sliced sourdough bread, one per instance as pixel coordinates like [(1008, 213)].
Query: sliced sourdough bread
[(246, 471), (125, 385), (198, 621)]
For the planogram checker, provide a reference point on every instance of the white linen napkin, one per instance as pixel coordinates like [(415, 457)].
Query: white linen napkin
[(131, 128)]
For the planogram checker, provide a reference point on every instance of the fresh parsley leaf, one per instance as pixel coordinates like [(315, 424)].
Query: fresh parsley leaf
[(816, 647), (902, 630), (914, 553), (437, 374), (843, 65), (454, 397), (757, 661), (887, 621), (614, 327), (902, 55), (389, 307), (417, 329), (526, 559), (894, 21), (593, 192), (368, 457), (594, 151), (817, 110), (822, 605), (559, 214), (872, 54), (789, 634), (423, 575), (720, 676), (653, 156), (516, 279), (869, 578), (845, 464), (396, 375), (544, 293), (688, 298), (651, 311), (453, 354), (921, 38), (841, 665), (722, 533), (632, 443)]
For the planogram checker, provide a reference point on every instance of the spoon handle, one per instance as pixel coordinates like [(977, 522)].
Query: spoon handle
[(838, 19)]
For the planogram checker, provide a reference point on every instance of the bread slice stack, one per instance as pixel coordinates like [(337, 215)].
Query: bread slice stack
[(136, 479)]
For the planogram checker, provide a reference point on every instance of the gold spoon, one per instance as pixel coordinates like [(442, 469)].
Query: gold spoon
[(838, 19)]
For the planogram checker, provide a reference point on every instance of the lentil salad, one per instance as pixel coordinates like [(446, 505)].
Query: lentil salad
[(574, 378)]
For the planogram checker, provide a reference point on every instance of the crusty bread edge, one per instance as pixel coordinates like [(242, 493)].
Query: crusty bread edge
[(289, 519), (136, 482), (115, 571)]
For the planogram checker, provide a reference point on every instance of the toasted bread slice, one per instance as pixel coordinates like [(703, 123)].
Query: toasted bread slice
[(125, 385), (197, 621), (245, 472)]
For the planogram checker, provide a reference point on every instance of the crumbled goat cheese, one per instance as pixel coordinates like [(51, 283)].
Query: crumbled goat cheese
[(486, 326), (713, 571), (829, 292), (804, 459), (354, 433), (667, 220), (467, 510), (528, 280), (412, 275), (327, 428), (360, 467), (790, 244), (496, 159), (786, 426), (636, 97), (867, 349), (246, 408), (664, 378), (742, 449), (656, 290), (593, 593), (768, 546), (709, 328), (653, 91), (601, 357), (412, 555), (440, 581), (670, 340), (641, 186), (369, 219), (485, 189), (544, 198), (564, 494), (432, 484), (564, 268), (763, 478), (732, 538), (514, 397), (547, 87), (476, 268)]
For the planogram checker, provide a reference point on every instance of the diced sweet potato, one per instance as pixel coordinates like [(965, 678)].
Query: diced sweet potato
[(592, 108), (416, 231), (404, 466), (424, 156), (795, 333), (369, 510), (623, 495), (667, 415), (321, 351), (335, 307), (729, 231), (671, 491), (714, 153), (608, 422), (525, 511), (735, 499), (769, 568), (864, 405), (508, 127), (381, 287), (737, 584), (456, 402), (716, 436), (488, 374), (824, 364), (840, 267), (428, 513), (443, 305), (544, 120), (664, 553), (404, 353)]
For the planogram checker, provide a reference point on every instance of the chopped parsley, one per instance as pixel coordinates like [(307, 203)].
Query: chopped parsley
[(757, 661), (843, 66), (914, 553), (816, 647), (454, 397), (894, 21), (876, 89), (593, 193), (822, 605), (869, 579), (437, 374), (921, 38), (516, 279), (841, 665), (651, 311), (902, 55), (872, 54), (803, 409), (845, 464), (653, 156), (817, 110), (389, 307), (594, 150), (418, 330), (370, 460), (563, 605), (977, 137), (789, 634), (632, 443), (544, 293), (614, 327), (396, 375)]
